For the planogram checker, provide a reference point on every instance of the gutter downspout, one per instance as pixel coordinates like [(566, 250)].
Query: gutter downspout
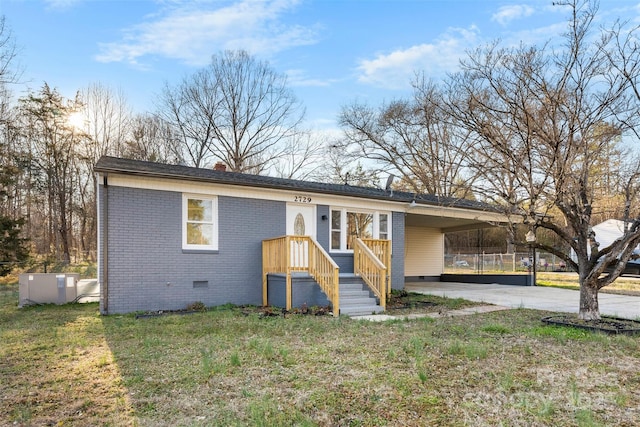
[(105, 246)]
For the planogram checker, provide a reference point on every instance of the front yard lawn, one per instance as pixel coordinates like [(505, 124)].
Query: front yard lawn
[(66, 365)]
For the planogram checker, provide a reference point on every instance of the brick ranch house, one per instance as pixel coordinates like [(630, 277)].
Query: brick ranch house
[(169, 236)]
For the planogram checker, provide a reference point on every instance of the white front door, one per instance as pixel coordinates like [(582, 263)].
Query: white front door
[(301, 221)]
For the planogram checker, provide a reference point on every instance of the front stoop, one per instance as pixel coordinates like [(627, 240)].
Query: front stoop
[(355, 297)]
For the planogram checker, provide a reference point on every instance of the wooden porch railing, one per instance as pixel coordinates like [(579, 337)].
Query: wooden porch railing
[(382, 250), (374, 273), (288, 254)]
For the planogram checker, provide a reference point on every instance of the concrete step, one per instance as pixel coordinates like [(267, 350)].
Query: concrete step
[(354, 288), (358, 300), (359, 310), (351, 285), (355, 297), (354, 293), (350, 278)]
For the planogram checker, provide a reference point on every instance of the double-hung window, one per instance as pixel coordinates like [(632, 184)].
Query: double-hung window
[(199, 222), (348, 224), (383, 226)]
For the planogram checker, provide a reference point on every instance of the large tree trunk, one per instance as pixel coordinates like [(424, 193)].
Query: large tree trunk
[(589, 309)]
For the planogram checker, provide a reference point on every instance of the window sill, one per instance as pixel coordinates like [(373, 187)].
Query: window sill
[(200, 251)]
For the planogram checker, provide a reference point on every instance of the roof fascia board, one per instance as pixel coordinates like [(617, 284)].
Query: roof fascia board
[(230, 190), (461, 213), (209, 187)]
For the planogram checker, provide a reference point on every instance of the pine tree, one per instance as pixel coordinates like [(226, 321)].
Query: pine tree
[(13, 247)]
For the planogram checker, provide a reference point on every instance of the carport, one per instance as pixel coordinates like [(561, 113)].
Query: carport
[(425, 227)]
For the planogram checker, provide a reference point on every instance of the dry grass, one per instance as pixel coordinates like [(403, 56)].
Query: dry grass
[(56, 367), (629, 285), (69, 366)]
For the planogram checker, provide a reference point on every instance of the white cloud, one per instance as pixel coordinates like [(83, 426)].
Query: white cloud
[(61, 4), (537, 36), (298, 77), (396, 69), (192, 33), (506, 14)]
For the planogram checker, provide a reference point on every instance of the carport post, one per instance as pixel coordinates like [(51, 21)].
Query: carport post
[(531, 239)]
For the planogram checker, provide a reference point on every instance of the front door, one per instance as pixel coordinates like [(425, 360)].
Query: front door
[(301, 221)]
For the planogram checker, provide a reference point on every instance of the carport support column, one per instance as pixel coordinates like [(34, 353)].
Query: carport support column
[(534, 266), (531, 239)]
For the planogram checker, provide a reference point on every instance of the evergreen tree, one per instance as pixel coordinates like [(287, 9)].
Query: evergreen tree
[(13, 247)]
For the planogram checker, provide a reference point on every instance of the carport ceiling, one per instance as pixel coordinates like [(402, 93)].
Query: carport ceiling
[(446, 224)]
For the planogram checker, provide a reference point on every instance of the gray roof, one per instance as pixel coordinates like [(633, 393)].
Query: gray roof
[(108, 164)]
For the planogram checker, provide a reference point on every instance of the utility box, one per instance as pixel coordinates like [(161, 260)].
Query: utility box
[(48, 288)]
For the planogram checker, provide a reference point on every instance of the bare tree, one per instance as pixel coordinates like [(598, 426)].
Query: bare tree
[(9, 71), (543, 119), (52, 151), (99, 124), (190, 109), (238, 110), (338, 168), (105, 117), (624, 57), (412, 138), (302, 156), (152, 140)]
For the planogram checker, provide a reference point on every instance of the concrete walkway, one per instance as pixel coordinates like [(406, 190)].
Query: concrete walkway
[(536, 297)]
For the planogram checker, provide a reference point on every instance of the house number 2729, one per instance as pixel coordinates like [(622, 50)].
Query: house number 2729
[(302, 199)]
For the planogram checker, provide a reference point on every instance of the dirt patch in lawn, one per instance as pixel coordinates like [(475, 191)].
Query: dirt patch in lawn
[(403, 302)]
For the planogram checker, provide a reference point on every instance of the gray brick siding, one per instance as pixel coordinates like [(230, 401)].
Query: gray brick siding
[(397, 250), (322, 229), (148, 270)]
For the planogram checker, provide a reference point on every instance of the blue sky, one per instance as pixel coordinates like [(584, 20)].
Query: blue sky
[(333, 52)]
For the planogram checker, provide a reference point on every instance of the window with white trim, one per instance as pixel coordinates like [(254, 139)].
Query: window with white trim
[(336, 229), (199, 222), (383, 226), (347, 224)]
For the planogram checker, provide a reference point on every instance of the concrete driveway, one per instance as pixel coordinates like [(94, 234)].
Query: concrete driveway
[(536, 297)]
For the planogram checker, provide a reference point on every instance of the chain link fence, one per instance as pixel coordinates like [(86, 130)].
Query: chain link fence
[(502, 263)]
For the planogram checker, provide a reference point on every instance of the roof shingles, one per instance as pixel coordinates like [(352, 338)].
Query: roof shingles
[(108, 164)]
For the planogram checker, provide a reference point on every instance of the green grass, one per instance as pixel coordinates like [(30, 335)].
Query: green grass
[(67, 365)]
